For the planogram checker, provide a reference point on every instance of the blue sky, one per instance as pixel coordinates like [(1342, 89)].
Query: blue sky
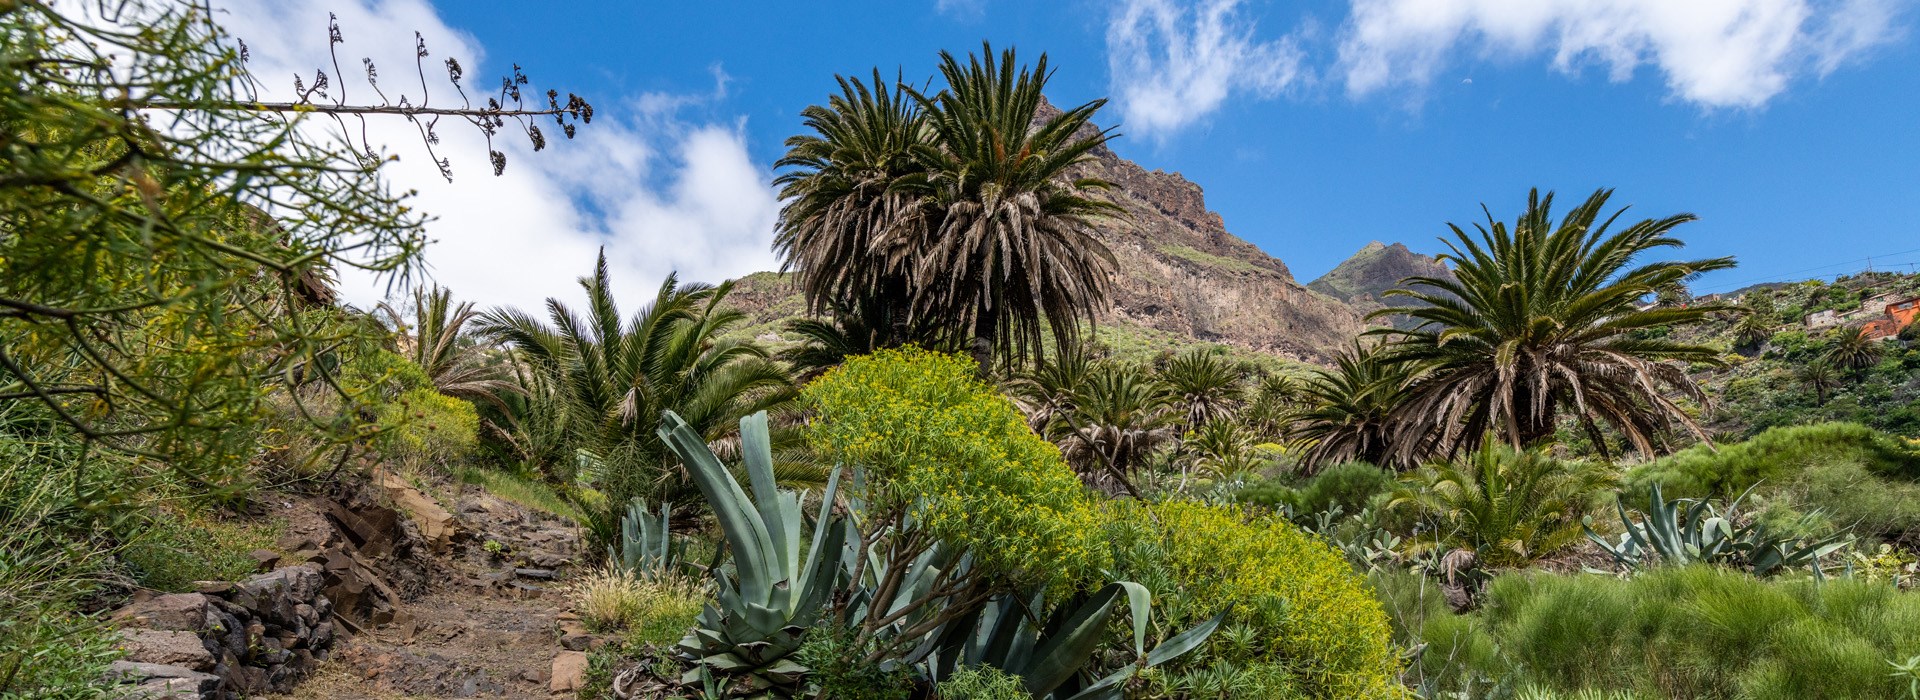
[(1791, 127)]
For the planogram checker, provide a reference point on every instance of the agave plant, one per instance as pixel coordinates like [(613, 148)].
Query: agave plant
[(1050, 658), (1689, 530), (647, 549), (775, 590)]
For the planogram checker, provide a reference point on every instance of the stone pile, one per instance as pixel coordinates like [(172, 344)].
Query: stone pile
[(229, 640)]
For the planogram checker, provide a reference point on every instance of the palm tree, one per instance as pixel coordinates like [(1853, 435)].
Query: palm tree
[(1509, 506), (1276, 397), (1206, 385), (1852, 349), (1347, 412), (1012, 246), (1119, 417), (1752, 329), (1544, 319), (1820, 377), (1048, 390), (438, 343), (849, 230), (615, 378)]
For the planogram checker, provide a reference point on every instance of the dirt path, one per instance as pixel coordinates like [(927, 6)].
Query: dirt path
[(481, 629)]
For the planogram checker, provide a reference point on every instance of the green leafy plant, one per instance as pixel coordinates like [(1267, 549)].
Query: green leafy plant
[(1508, 506), (1049, 656), (983, 683)]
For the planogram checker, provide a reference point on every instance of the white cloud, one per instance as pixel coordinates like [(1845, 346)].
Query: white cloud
[(1713, 53), (661, 191), (964, 9), (1172, 65)]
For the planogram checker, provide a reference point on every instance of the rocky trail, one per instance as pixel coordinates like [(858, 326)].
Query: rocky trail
[(375, 591)]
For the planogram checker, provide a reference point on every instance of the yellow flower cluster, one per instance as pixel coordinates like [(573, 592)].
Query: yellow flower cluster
[(1311, 610), (932, 438)]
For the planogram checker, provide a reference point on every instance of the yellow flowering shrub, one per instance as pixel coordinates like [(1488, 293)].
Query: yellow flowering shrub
[(1304, 603), (933, 439)]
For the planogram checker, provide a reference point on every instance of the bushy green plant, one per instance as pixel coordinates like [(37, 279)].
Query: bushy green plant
[(838, 669), (1301, 600), (1860, 478), (935, 441), (1694, 632), (1351, 487)]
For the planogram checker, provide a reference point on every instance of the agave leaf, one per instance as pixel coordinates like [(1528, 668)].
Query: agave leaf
[(1140, 603), (746, 532), (1184, 642), (1066, 650)]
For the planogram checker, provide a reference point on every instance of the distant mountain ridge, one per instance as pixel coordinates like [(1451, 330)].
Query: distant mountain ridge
[(1363, 280)]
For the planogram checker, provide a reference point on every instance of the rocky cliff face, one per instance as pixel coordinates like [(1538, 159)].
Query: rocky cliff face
[(1179, 271), (1364, 279)]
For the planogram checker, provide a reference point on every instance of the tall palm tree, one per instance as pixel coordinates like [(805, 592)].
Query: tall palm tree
[(616, 377), (1852, 349), (438, 343), (1543, 320), (1347, 412), (1011, 245), (1206, 385), (849, 230)]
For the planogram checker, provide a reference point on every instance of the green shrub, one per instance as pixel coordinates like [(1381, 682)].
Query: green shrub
[(934, 439), (1692, 632), (1302, 603), (1351, 487), (982, 683), (839, 670), (1854, 476)]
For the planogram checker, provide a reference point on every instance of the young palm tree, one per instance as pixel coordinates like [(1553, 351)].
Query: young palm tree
[(438, 343), (1852, 349), (616, 377), (1509, 506), (1206, 385), (1011, 247), (849, 230), (1347, 411), (1544, 320)]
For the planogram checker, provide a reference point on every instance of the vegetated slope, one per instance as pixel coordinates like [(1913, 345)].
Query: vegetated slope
[(1178, 272), (1770, 384)]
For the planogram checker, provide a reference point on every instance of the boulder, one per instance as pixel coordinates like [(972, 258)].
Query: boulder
[(569, 672), (167, 648), (161, 681), (185, 612), (437, 526)]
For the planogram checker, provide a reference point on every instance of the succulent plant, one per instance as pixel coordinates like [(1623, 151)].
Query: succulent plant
[(774, 590), (1689, 530), (647, 549), (1050, 657)]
